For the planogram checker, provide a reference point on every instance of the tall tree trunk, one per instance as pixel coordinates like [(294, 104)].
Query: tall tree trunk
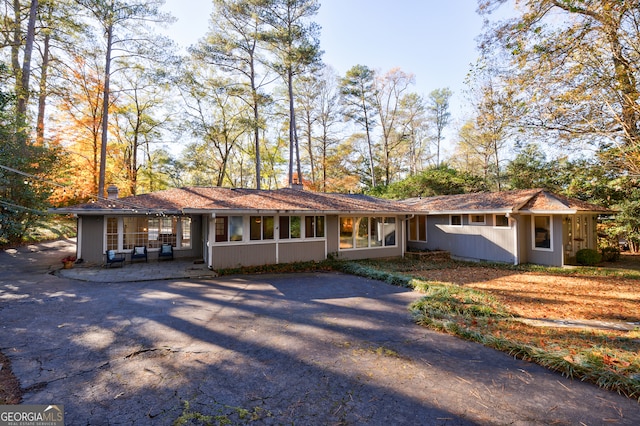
[(23, 74), (310, 144), (324, 163), (105, 113), (369, 145), (256, 126), (293, 135), (42, 96), (627, 85), (134, 162), (495, 154), (23, 96)]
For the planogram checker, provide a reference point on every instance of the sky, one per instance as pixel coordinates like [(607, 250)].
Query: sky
[(435, 40)]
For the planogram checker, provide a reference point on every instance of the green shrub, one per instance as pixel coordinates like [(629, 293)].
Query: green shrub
[(588, 257), (610, 254)]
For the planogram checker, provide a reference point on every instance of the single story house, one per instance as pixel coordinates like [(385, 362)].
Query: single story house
[(227, 227), (523, 226)]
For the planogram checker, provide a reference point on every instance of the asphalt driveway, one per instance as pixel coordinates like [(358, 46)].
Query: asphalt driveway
[(314, 348)]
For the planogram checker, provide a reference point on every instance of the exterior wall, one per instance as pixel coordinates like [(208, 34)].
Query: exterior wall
[(302, 251), (261, 253), (333, 235), (235, 255), (255, 253), (91, 242), (551, 257), (470, 242)]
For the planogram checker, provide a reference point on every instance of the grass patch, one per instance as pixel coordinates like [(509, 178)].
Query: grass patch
[(224, 415), (607, 358)]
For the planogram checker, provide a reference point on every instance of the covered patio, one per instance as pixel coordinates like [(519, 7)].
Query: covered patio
[(180, 268)]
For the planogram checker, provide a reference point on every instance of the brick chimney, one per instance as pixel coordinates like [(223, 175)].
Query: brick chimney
[(112, 192)]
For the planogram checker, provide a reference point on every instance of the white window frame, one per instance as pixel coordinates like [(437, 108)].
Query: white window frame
[(262, 221), (495, 221), (381, 220), (533, 233), (472, 222), (120, 236), (246, 229), (451, 219)]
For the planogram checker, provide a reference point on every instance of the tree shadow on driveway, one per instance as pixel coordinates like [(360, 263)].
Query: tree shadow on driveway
[(315, 348)]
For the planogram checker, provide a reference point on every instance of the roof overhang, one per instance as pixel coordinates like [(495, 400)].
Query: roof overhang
[(568, 211), (225, 212), (564, 211), (114, 212), (220, 212), (490, 211)]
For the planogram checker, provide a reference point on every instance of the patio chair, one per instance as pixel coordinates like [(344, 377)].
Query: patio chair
[(166, 252), (113, 258), (139, 252)]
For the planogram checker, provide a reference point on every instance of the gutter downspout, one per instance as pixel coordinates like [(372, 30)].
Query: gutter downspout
[(516, 248)]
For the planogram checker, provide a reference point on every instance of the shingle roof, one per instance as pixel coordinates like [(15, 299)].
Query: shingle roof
[(526, 200), (220, 200), (216, 199)]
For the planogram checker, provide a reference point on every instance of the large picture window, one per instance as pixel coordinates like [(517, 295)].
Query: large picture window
[(366, 232), (125, 233), (542, 232)]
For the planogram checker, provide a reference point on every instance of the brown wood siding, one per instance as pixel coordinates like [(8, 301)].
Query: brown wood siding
[(92, 244), (333, 234), (302, 251), (235, 255)]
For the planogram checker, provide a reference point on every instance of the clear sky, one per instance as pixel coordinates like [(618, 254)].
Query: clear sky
[(432, 39)]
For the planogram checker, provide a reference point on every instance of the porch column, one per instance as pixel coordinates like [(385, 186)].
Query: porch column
[(211, 236)]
